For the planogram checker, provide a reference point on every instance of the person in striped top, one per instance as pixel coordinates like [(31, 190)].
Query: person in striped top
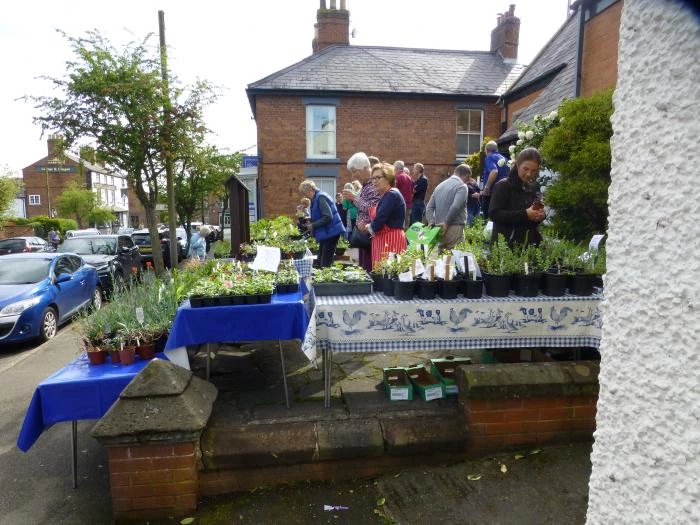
[(388, 218)]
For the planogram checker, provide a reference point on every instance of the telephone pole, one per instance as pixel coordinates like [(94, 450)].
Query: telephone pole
[(167, 108)]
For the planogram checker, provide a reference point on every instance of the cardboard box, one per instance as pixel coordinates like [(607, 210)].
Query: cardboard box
[(397, 384), (444, 370), (426, 385)]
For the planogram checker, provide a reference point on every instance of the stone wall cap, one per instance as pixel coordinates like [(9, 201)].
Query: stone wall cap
[(158, 378)]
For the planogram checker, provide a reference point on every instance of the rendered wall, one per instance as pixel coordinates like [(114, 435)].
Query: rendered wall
[(646, 457)]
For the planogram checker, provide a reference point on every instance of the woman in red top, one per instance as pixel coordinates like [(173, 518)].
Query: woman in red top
[(386, 228)]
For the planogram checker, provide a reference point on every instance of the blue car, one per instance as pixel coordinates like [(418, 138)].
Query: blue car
[(41, 291)]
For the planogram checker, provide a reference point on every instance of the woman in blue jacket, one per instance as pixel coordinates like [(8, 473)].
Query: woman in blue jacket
[(325, 223)]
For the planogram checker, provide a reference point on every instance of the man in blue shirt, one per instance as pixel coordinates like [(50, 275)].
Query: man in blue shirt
[(495, 169)]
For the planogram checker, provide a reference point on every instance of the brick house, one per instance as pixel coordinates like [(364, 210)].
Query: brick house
[(45, 180), (417, 105), (579, 60)]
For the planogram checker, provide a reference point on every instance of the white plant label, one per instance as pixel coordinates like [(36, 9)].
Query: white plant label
[(139, 314), (399, 394), (433, 393)]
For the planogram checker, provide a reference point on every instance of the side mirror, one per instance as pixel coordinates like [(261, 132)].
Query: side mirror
[(63, 277), (124, 249)]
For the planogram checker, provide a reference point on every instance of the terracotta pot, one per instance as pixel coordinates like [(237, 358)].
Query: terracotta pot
[(146, 351), (127, 355), (97, 356), (114, 356)]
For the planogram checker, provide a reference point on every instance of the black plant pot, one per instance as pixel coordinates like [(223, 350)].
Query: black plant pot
[(282, 288), (299, 255), (251, 299), (237, 299), (293, 288), (403, 290), (210, 301), (388, 286), (448, 289), (554, 284), (226, 300), (581, 284), (425, 289), (264, 298), (497, 285), (527, 285), (597, 280), (376, 281), (473, 289), (196, 301)]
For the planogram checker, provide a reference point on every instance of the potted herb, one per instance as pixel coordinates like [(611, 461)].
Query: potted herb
[(342, 245), (498, 268), (528, 264)]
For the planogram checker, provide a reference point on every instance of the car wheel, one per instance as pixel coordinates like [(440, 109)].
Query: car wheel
[(97, 298), (49, 324)]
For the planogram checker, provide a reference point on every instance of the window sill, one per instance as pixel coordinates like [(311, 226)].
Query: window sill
[(322, 160)]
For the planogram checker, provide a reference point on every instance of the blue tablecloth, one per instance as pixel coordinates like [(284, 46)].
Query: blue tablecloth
[(76, 391), (285, 317)]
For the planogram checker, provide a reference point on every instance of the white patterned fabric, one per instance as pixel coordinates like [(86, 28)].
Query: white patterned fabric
[(377, 323)]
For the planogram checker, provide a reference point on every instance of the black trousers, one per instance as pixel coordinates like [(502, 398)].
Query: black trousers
[(326, 251)]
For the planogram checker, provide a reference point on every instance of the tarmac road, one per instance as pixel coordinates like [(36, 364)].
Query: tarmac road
[(549, 486)]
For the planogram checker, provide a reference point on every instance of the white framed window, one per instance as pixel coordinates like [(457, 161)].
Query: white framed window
[(320, 132), (325, 184), (111, 196), (470, 131), (34, 200)]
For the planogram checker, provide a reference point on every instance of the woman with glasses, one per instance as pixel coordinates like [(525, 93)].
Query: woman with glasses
[(388, 218)]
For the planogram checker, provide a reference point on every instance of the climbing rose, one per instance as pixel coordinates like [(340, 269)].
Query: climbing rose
[(529, 134), (511, 148), (521, 135)]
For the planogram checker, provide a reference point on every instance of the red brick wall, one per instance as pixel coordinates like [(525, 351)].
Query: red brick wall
[(333, 28), (413, 130), (521, 103), (503, 423), (35, 184), (600, 45), (153, 480)]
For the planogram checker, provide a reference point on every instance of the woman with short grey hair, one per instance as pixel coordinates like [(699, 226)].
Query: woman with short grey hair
[(325, 223), (368, 197)]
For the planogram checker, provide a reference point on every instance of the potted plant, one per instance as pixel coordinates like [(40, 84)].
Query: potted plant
[(591, 270), (528, 264), (403, 264), (342, 245), (222, 249), (287, 278), (498, 268), (555, 278)]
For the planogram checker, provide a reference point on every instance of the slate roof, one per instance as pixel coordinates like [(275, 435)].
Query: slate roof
[(557, 58), (370, 69)]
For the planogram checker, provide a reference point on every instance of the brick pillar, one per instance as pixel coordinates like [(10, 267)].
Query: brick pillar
[(153, 480), (152, 435), (526, 404)]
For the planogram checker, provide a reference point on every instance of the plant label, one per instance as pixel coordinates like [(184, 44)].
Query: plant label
[(139, 314), (433, 393)]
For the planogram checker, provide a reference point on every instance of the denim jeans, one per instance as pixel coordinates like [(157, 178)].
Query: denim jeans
[(417, 211)]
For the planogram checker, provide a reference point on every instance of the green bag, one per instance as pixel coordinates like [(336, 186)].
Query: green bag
[(419, 233)]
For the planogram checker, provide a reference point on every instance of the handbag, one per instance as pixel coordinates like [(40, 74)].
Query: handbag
[(360, 239)]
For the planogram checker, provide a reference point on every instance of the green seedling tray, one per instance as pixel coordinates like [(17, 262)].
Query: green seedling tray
[(425, 385), (397, 384), (444, 370)]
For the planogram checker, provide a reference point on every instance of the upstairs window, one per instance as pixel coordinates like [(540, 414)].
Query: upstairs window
[(34, 200), (470, 131), (320, 132)]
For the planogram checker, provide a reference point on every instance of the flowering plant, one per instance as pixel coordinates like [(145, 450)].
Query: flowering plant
[(531, 135)]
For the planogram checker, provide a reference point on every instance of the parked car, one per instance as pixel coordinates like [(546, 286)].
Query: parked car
[(41, 291), (181, 242), (125, 231), (116, 258), (23, 245), (142, 238), (82, 233)]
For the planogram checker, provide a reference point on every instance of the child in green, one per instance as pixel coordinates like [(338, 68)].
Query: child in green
[(351, 208)]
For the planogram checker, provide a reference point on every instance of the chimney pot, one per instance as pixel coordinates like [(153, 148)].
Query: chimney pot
[(332, 28), (505, 36), (343, 5), (333, 5)]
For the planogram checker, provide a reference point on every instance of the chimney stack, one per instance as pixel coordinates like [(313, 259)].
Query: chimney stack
[(55, 146), (332, 26), (505, 36)]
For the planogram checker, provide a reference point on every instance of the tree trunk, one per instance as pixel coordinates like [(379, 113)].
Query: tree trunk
[(157, 251)]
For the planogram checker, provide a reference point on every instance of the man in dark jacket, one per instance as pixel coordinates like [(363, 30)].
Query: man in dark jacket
[(514, 209)]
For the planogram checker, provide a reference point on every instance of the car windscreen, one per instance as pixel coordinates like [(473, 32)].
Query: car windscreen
[(15, 245), (142, 239), (23, 271), (93, 246)]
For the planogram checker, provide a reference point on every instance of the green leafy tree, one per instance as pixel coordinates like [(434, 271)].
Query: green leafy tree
[(9, 187), (198, 176), (84, 205), (578, 150), (115, 98)]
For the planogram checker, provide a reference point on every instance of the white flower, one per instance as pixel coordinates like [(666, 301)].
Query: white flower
[(520, 141), (529, 134), (511, 148), (561, 120), (553, 114), (521, 135), (510, 163), (501, 162)]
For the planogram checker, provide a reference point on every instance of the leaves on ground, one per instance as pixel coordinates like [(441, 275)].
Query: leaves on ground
[(519, 456), (473, 477), (186, 521), (381, 501), (504, 469), (535, 451)]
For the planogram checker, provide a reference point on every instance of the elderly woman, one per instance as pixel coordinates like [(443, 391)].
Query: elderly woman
[(198, 244), (386, 228), (325, 223), (368, 197), (515, 209)]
